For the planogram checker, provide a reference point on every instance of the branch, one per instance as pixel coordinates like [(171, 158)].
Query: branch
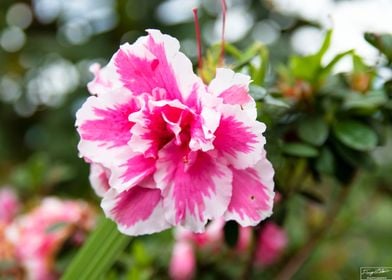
[(303, 253)]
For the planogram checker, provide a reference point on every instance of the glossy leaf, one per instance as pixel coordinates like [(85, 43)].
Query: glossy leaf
[(356, 135), (326, 162), (313, 130), (366, 102), (300, 150), (383, 42), (257, 92)]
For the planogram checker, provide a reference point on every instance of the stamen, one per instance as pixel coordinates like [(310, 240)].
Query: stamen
[(222, 53), (198, 40)]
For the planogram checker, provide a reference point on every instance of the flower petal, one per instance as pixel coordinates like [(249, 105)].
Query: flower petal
[(130, 169), (253, 194), (103, 126), (232, 87), (136, 211), (195, 186), (99, 178), (105, 79), (155, 62), (238, 138), (157, 124)]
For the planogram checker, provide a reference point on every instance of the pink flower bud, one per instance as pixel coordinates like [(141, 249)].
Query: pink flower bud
[(272, 242), (183, 261), (9, 205), (244, 239)]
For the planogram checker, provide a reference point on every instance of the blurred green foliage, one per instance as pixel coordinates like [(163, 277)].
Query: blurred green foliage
[(323, 130)]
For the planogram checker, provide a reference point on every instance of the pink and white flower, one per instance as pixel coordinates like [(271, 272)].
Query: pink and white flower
[(272, 243), (168, 150), (183, 261), (38, 235), (9, 205)]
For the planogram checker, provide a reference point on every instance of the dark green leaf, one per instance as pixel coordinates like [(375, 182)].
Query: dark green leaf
[(351, 157), (325, 162), (300, 150), (313, 130), (383, 42), (275, 102), (308, 67), (257, 92), (324, 72), (366, 102), (356, 135), (312, 195)]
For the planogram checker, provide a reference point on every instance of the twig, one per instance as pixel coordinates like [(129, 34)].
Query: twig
[(299, 258), (248, 269)]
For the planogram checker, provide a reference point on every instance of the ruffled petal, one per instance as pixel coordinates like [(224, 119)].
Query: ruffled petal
[(195, 186), (157, 124), (203, 128), (136, 211), (154, 65), (238, 138), (99, 178), (105, 79), (232, 87), (130, 169), (103, 126), (253, 194)]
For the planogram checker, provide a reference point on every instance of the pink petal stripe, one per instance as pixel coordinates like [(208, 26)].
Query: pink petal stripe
[(238, 138), (157, 124), (130, 169), (136, 211), (253, 194), (154, 62), (111, 127), (231, 86), (236, 95), (103, 125), (195, 186)]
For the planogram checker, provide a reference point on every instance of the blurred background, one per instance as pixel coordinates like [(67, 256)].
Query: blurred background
[(47, 46)]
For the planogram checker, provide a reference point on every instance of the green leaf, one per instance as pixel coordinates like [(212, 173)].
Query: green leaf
[(383, 42), (231, 231), (270, 100), (358, 64), (308, 67), (325, 71), (313, 130), (304, 67), (98, 253), (300, 150), (232, 50), (347, 156), (366, 102), (140, 254), (257, 92), (326, 162), (356, 135), (257, 72)]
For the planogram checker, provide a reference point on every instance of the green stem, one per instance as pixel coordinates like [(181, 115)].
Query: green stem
[(99, 252)]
